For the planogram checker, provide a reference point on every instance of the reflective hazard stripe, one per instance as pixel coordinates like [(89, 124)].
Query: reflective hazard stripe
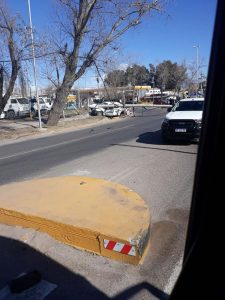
[(119, 247)]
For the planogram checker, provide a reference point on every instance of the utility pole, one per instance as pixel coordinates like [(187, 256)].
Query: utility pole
[(197, 65), (152, 80), (124, 103), (78, 97), (34, 66)]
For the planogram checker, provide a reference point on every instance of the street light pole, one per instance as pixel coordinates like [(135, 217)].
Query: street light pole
[(197, 63), (153, 89), (153, 82), (34, 66)]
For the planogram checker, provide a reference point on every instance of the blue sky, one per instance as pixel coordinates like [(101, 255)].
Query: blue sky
[(161, 37), (190, 22)]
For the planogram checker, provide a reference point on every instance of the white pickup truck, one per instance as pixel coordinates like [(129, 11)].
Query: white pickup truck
[(184, 120), (16, 107), (44, 107)]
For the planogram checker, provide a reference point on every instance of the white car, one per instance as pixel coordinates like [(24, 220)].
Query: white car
[(17, 107), (184, 120), (48, 102), (114, 112), (100, 109)]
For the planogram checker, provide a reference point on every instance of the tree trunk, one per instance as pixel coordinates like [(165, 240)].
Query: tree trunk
[(23, 86), (1, 89), (14, 73), (161, 96), (58, 105), (2, 104), (63, 92)]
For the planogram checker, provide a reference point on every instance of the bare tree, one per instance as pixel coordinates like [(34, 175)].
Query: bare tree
[(191, 80), (87, 27), (178, 76), (22, 83), (162, 75), (14, 44)]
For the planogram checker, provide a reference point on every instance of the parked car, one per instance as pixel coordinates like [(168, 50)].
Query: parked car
[(48, 102), (16, 107), (115, 112), (34, 109), (184, 120), (163, 101), (100, 109), (97, 111)]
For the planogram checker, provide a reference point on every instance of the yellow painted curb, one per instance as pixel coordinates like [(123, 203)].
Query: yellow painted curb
[(92, 214)]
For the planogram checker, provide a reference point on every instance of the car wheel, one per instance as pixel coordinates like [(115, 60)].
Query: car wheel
[(11, 115)]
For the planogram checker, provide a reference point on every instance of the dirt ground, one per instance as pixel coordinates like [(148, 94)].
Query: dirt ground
[(17, 129)]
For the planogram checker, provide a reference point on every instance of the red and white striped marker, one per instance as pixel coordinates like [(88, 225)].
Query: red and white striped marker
[(119, 247)]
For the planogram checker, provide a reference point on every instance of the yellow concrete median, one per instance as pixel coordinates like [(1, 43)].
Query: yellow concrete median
[(92, 214)]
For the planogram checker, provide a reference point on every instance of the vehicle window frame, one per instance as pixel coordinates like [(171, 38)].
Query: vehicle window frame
[(23, 99), (179, 103), (201, 275)]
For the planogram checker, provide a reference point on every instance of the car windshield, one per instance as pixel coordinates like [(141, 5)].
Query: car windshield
[(97, 101), (41, 101), (23, 101), (188, 106)]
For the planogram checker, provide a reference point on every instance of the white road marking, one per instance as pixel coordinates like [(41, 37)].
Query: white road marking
[(173, 277), (123, 174), (65, 143), (80, 173)]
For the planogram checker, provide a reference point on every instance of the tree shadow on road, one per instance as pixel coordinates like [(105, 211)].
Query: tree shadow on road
[(18, 258), (155, 138)]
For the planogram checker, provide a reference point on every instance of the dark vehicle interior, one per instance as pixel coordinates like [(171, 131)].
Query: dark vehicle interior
[(203, 264)]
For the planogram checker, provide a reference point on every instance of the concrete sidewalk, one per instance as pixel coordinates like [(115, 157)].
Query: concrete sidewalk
[(96, 215)]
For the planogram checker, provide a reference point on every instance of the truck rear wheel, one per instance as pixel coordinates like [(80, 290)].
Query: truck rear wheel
[(11, 115)]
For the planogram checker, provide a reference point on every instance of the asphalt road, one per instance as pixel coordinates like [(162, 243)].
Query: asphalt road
[(130, 152), (30, 158)]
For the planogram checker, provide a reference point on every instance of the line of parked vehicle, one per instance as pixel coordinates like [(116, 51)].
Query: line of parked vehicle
[(23, 107)]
